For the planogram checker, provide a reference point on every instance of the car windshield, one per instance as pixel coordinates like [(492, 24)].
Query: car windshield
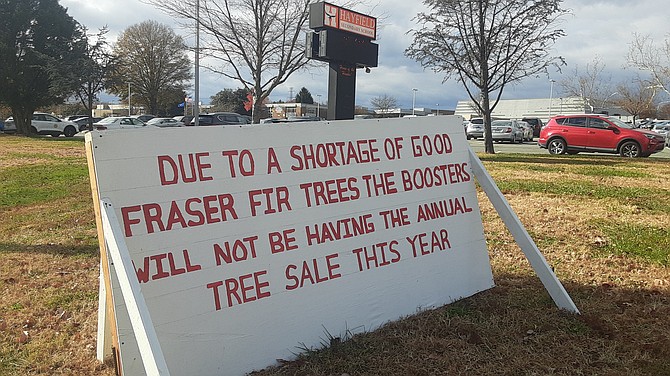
[(620, 123), (108, 120)]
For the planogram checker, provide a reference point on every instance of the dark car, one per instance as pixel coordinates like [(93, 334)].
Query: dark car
[(82, 123), (221, 118), (598, 133), (144, 117)]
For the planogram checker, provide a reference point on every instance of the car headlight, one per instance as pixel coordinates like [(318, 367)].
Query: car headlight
[(650, 136)]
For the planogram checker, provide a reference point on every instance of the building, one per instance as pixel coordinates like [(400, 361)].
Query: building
[(542, 108), (292, 109), (419, 111)]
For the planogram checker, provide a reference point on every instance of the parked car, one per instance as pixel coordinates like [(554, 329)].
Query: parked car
[(144, 117), (46, 124), (536, 123), (474, 128), (598, 133), (506, 130), (184, 119), (293, 119), (119, 122), (82, 123), (221, 118), (74, 117), (527, 131), (273, 120), (645, 124), (165, 122), (663, 128)]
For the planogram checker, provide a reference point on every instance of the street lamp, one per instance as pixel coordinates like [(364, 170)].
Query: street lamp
[(551, 96), (438, 109), (196, 108), (606, 100), (318, 106), (414, 90)]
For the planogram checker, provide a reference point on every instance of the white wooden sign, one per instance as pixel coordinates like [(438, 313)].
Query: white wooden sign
[(249, 242)]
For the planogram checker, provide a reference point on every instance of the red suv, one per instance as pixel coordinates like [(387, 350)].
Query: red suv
[(598, 133)]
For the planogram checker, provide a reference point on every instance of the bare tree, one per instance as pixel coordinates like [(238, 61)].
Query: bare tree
[(590, 84), (93, 72), (384, 103), (152, 58), (663, 110), (646, 56), (258, 43), (487, 44), (636, 98)]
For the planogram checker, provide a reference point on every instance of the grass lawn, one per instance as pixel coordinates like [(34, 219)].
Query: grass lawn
[(602, 222)]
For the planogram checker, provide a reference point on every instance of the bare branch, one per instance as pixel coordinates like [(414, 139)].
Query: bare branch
[(487, 45)]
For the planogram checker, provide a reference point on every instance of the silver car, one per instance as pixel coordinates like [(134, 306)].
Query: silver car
[(527, 130), (506, 130), (119, 122), (475, 128)]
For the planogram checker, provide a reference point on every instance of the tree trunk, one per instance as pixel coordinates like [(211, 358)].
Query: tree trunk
[(486, 106), (23, 119), (90, 107)]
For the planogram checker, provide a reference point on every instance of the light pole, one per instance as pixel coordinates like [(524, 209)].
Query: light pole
[(551, 96), (318, 106), (414, 90), (129, 95), (602, 108), (438, 109), (196, 108)]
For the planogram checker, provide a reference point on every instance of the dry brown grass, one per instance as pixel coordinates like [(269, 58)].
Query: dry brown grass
[(49, 281)]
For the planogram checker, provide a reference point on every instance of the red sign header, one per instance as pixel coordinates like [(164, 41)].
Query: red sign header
[(347, 20)]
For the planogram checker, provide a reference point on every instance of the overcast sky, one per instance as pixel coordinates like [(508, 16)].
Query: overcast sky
[(595, 28)]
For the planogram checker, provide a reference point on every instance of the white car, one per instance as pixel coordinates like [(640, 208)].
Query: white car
[(46, 124), (165, 122), (527, 130), (119, 122), (663, 128)]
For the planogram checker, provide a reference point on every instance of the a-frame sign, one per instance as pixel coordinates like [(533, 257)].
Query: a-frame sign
[(224, 253)]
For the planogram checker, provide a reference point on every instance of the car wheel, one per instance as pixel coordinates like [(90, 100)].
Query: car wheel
[(34, 130), (69, 131), (557, 146), (630, 149), (468, 137)]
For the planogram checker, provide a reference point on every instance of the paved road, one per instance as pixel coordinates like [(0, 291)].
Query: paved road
[(532, 148)]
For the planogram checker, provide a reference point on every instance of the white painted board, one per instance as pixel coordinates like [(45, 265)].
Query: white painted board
[(216, 314)]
